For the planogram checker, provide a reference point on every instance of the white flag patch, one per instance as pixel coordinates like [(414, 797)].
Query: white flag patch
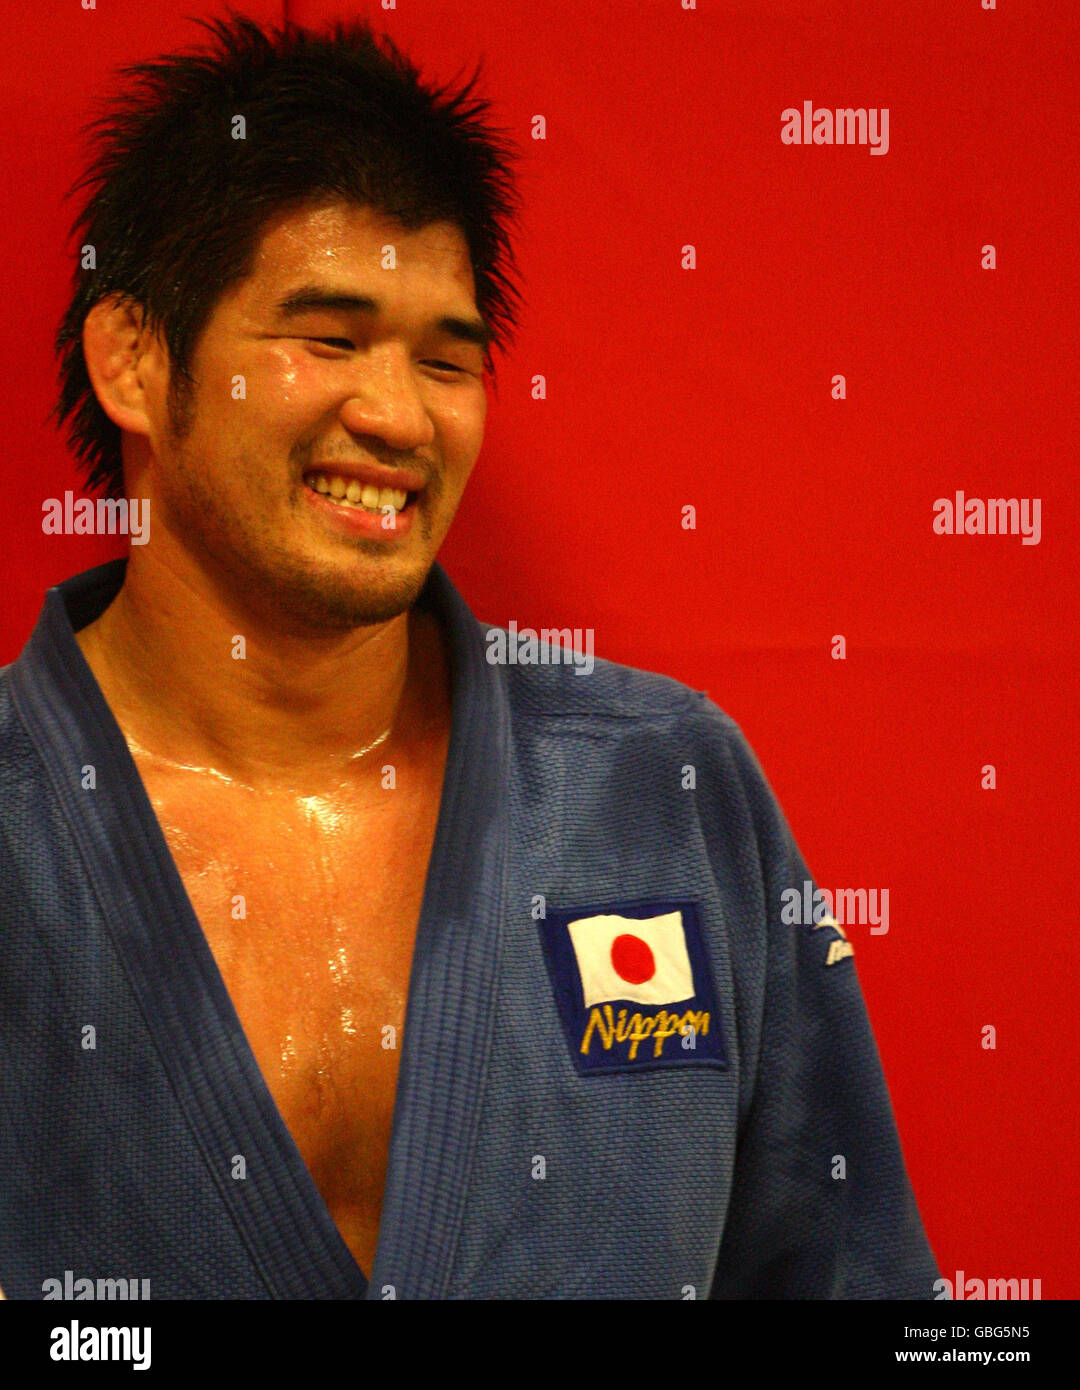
[(640, 959)]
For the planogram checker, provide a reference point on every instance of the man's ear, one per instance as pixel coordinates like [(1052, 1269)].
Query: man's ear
[(126, 363)]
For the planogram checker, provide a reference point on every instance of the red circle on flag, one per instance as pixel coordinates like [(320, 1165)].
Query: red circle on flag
[(632, 959)]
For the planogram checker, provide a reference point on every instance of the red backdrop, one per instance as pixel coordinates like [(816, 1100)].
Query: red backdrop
[(712, 387)]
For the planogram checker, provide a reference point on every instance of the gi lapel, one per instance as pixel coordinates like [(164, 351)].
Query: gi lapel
[(449, 1017), (282, 1219)]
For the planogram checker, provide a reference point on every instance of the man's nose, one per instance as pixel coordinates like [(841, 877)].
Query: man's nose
[(386, 401)]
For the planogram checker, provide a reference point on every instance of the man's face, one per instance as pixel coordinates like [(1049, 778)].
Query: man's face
[(387, 395)]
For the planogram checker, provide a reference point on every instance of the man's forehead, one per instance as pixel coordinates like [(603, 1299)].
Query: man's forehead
[(334, 237)]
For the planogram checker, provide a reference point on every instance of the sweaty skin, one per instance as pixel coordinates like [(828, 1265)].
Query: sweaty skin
[(302, 779), (331, 876)]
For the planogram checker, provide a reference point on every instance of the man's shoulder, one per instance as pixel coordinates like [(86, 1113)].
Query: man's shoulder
[(609, 702), (551, 681)]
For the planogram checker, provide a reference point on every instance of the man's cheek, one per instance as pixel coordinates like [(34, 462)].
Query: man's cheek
[(274, 379)]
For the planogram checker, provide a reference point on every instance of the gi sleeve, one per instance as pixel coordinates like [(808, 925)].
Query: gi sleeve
[(821, 1205)]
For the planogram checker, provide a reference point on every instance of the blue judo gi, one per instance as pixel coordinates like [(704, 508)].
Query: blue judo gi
[(623, 1075)]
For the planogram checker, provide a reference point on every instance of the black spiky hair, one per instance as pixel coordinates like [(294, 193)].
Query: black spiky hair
[(175, 204)]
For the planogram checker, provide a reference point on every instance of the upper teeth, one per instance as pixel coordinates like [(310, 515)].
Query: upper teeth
[(355, 494)]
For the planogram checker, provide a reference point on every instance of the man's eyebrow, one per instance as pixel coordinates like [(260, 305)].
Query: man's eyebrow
[(469, 330)]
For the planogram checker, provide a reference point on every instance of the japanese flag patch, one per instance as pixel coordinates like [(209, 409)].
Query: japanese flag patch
[(632, 987)]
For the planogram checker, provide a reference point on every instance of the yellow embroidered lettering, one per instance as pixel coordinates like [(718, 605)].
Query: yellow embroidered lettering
[(666, 1025), (640, 1028), (641, 1033), (598, 1021)]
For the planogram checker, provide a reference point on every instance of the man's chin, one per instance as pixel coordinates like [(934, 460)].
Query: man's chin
[(343, 602)]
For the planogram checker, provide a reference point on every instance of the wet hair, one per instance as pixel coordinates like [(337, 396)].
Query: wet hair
[(175, 205)]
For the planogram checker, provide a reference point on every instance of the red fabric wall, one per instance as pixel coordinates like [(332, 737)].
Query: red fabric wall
[(711, 387)]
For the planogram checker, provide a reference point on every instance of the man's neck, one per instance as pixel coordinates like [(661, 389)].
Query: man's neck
[(295, 709)]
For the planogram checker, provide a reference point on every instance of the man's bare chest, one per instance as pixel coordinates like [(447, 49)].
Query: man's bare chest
[(310, 909)]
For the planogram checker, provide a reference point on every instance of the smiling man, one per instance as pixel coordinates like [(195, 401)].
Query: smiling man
[(304, 519), (336, 958)]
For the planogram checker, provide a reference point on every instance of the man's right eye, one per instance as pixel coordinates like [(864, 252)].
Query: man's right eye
[(344, 343)]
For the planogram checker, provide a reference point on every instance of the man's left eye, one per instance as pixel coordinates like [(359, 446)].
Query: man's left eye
[(348, 345)]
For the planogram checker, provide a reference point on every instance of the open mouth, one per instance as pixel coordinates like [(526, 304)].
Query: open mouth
[(361, 497)]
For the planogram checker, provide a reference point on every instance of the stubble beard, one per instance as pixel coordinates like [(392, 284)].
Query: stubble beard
[(268, 578)]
